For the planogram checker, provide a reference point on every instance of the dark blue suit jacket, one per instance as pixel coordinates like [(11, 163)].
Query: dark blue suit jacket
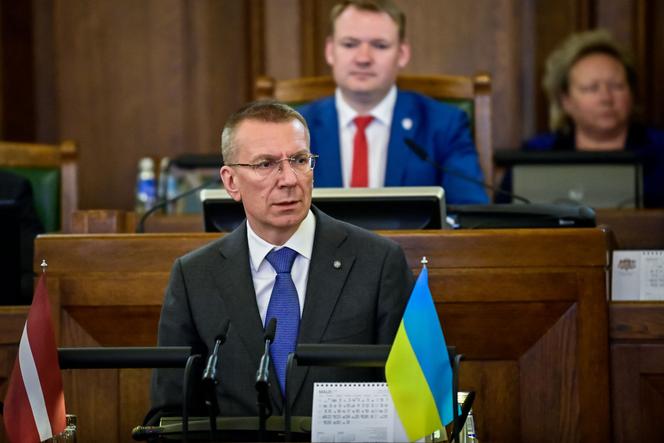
[(441, 129)]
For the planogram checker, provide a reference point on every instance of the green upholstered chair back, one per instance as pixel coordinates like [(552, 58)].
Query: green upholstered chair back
[(470, 93), (52, 172), (46, 192)]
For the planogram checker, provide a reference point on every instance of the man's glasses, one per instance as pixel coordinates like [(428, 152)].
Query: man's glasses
[(300, 163)]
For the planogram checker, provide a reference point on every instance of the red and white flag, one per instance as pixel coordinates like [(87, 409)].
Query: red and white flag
[(34, 408)]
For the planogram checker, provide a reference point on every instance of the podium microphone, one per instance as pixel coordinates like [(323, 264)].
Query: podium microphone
[(262, 380), (210, 379), (263, 372), (424, 156), (210, 372)]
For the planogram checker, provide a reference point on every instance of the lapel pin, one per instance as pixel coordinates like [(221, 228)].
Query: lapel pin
[(407, 124), (336, 264)]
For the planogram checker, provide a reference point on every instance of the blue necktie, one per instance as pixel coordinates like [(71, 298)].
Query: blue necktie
[(285, 307)]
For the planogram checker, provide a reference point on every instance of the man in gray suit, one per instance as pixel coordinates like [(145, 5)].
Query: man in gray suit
[(346, 285)]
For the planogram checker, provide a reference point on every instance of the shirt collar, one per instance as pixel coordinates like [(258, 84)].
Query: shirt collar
[(302, 242), (382, 111)]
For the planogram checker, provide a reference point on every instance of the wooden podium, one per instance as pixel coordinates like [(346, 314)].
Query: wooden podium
[(527, 308)]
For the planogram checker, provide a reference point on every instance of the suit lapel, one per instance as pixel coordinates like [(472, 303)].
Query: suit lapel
[(326, 144), (235, 283), (324, 285), (405, 121)]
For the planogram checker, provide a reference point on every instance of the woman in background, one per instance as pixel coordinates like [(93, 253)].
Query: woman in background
[(591, 83)]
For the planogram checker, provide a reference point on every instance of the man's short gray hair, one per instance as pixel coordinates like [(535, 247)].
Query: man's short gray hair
[(269, 111)]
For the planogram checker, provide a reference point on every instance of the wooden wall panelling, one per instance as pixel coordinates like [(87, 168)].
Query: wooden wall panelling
[(46, 118), (120, 89), (315, 29), (18, 70), (653, 12), (284, 42), (255, 37), (155, 77), (218, 70), (466, 38)]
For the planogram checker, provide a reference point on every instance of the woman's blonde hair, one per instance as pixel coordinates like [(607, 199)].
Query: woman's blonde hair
[(560, 62)]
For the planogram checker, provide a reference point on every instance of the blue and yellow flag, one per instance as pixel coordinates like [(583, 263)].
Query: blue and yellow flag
[(418, 370)]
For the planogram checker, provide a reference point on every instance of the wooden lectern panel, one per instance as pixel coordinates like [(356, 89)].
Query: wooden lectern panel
[(637, 365), (527, 308)]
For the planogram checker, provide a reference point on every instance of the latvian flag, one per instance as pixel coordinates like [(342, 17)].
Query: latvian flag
[(34, 408)]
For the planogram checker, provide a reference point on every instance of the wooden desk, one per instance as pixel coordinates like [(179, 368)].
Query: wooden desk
[(637, 368), (631, 228), (634, 228), (526, 307)]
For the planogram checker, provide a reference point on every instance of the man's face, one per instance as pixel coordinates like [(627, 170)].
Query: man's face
[(599, 99), (276, 203), (365, 53)]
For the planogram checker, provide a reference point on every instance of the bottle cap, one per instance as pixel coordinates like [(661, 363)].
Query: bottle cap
[(146, 163)]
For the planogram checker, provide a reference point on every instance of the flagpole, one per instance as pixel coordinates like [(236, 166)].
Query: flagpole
[(44, 265), (424, 261)]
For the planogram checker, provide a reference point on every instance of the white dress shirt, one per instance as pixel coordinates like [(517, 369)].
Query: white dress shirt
[(378, 137), (262, 272)]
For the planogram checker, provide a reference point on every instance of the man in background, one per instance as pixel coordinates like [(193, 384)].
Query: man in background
[(360, 132)]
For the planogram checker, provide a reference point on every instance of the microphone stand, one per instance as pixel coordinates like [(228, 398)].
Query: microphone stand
[(211, 393), (210, 380), (420, 152), (262, 381), (140, 227)]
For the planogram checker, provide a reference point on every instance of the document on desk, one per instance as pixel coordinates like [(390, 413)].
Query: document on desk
[(637, 275), (355, 412)]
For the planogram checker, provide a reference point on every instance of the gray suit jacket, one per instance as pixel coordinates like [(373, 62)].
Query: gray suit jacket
[(360, 302)]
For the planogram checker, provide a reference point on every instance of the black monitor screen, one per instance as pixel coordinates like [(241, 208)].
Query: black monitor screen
[(596, 179), (369, 208)]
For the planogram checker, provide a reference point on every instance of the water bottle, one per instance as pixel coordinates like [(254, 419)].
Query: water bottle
[(146, 185)]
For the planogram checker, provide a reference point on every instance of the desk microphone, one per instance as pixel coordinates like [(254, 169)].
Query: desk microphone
[(210, 372), (262, 380), (263, 372), (140, 227), (210, 380), (424, 156)]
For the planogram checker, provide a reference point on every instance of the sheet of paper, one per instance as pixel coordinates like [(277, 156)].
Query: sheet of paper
[(652, 275), (626, 275), (637, 275), (355, 412)]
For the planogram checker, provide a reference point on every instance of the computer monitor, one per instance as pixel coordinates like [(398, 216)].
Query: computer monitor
[(532, 215), (412, 207), (596, 179)]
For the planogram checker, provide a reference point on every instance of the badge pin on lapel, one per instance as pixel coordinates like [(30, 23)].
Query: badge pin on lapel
[(336, 264), (407, 124)]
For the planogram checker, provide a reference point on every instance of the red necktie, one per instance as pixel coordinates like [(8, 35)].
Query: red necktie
[(360, 177)]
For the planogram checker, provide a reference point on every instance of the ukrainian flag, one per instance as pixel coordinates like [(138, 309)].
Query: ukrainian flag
[(418, 370)]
